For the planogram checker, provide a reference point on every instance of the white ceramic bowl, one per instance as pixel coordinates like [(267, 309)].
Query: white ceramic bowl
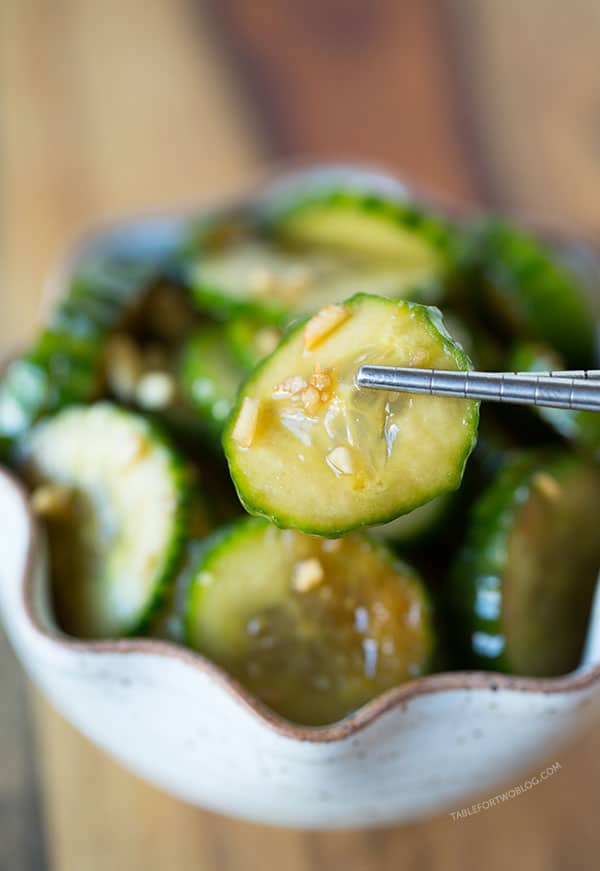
[(180, 722)]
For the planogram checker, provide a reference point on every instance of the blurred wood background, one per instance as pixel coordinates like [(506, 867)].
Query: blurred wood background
[(115, 107)]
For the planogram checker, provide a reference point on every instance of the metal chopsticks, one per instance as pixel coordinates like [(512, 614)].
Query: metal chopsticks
[(578, 390)]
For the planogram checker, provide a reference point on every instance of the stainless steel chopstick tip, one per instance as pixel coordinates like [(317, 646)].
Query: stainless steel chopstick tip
[(578, 390)]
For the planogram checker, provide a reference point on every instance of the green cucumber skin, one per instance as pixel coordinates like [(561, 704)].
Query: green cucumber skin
[(196, 350), (85, 317), (180, 473), (542, 300), (170, 607), (432, 317), (214, 303), (176, 547), (166, 619), (220, 539), (239, 339), (476, 574), (55, 372), (227, 536), (208, 299), (407, 215), (479, 565), (239, 333)]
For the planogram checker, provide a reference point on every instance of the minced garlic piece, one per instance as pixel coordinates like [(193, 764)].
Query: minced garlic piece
[(308, 574), (312, 394), (311, 399), (547, 485), (155, 390), (124, 366), (291, 386), (321, 380), (51, 500), (245, 426), (323, 323), (341, 459)]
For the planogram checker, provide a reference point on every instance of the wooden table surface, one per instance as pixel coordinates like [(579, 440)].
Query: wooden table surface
[(114, 107)]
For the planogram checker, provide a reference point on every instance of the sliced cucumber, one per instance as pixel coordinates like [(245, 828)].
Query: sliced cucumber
[(65, 363), (307, 449), (144, 376), (356, 224), (580, 427), (415, 527), (299, 257), (523, 583), (314, 628), (56, 371), (84, 318), (168, 623), (115, 532), (525, 291), (209, 376), (251, 340), (259, 278), (168, 620)]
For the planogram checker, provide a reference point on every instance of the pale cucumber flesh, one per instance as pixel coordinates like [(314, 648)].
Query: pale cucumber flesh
[(403, 450), (312, 652)]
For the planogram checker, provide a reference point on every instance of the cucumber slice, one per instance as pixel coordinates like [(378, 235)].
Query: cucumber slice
[(144, 376), (65, 363), (353, 223), (258, 278), (168, 620), (307, 449), (117, 279), (580, 427), (525, 291), (298, 257), (58, 370), (251, 340), (523, 584), (209, 376), (314, 628), (415, 527), (116, 536)]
